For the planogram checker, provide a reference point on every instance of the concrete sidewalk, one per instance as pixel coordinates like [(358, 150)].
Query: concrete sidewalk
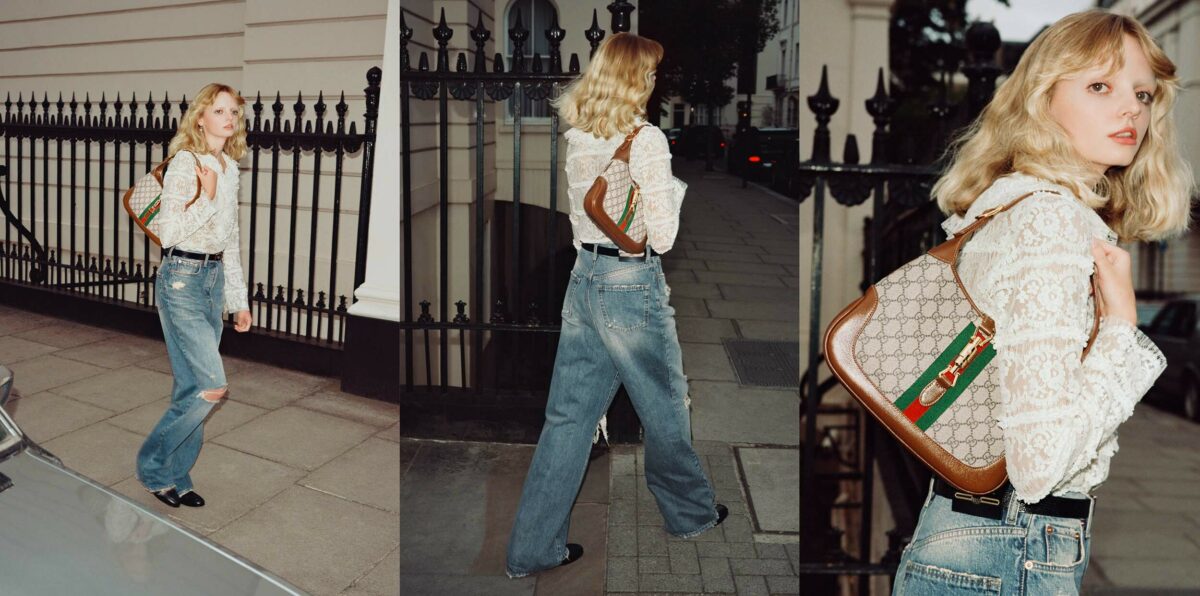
[(1146, 539), (733, 275), (299, 477)]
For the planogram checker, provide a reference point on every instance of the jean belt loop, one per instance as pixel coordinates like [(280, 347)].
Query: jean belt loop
[(1013, 508), (170, 251)]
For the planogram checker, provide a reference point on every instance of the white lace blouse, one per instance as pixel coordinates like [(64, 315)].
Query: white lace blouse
[(207, 226), (1029, 269), (649, 166)]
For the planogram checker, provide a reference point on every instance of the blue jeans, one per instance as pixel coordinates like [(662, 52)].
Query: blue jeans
[(617, 328), (190, 296), (1021, 553)]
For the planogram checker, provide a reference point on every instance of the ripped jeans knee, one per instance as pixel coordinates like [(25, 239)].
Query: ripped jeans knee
[(214, 395)]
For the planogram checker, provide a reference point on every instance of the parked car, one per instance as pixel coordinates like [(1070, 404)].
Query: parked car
[(1174, 330), (694, 137), (673, 137), (67, 534), (756, 152)]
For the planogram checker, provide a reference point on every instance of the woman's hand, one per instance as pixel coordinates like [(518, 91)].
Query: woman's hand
[(208, 180), (242, 321), (1114, 278)]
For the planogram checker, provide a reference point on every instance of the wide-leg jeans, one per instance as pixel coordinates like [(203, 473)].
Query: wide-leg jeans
[(190, 296), (617, 328)]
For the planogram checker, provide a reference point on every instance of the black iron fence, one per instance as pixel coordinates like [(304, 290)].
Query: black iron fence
[(501, 338), (842, 445), (67, 164)]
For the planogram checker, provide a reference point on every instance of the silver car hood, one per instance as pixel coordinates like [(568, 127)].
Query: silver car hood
[(62, 533)]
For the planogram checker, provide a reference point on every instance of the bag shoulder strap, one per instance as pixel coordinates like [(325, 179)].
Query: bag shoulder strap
[(622, 152), (948, 252)]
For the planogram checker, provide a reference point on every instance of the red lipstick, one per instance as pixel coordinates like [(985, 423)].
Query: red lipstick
[(1125, 136)]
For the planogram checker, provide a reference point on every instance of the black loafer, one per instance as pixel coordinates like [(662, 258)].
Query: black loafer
[(574, 553), (722, 513), (168, 496), (191, 499)]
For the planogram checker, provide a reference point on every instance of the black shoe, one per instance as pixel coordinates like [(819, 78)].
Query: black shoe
[(191, 499), (574, 553), (167, 496), (722, 513)]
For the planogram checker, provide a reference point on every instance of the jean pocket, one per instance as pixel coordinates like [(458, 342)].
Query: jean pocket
[(625, 307), (917, 579), (1062, 546), (179, 266)]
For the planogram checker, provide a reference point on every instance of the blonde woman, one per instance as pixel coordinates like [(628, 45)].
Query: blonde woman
[(199, 280), (1084, 123), (617, 325)]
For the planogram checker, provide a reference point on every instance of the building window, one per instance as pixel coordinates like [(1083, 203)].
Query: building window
[(536, 17), (793, 112), (677, 116)]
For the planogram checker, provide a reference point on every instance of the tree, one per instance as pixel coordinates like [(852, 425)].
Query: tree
[(702, 42), (927, 39)]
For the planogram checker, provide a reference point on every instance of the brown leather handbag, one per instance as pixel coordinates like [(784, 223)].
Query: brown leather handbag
[(614, 200), (914, 350)]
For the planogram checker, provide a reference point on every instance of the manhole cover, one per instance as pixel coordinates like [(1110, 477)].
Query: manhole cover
[(765, 363)]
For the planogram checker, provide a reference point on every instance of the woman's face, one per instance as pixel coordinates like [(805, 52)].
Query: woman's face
[(220, 119), (1106, 114)]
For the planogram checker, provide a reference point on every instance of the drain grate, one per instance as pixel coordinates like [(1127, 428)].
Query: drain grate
[(763, 363)]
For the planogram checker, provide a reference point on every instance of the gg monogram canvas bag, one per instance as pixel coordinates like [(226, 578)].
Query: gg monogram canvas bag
[(915, 349), (613, 202), (143, 200)]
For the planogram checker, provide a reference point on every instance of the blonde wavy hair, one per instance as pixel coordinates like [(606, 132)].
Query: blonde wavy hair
[(190, 138), (612, 92), (1146, 200)]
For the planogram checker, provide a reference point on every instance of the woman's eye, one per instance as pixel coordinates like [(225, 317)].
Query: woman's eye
[(1145, 97), (1098, 87)]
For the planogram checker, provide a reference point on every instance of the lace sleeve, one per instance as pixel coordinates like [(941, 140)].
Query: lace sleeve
[(662, 193), (177, 220), (1056, 411), (236, 297)]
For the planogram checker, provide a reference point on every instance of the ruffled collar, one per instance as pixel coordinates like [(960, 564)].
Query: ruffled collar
[(1011, 186)]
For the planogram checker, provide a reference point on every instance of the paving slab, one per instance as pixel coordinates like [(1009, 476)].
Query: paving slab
[(49, 372), (704, 329), (14, 321), (368, 474), (227, 415), (770, 330), (14, 349), (391, 433), (45, 416), (101, 451), (269, 387), (119, 390), (772, 476), (296, 437), (65, 334), (745, 279), (118, 351), (232, 483), (382, 580), (372, 412), (706, 362), (739, 267), (724, 411), (356, 536), (770, 310)]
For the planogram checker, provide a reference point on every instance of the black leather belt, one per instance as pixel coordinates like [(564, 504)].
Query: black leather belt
[(609, 251), (199, 256), (992, 505)]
